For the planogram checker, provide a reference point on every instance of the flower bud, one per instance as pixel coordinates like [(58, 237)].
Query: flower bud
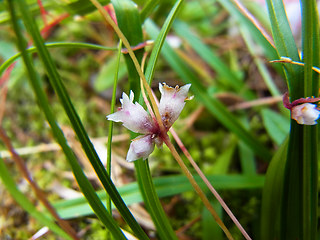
[(306, 113)]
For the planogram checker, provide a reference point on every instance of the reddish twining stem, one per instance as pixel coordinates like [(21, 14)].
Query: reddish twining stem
[(289, 105), (43, 12)]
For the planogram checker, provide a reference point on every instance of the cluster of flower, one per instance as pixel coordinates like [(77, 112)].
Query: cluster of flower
[(135, 118), (172, 101)]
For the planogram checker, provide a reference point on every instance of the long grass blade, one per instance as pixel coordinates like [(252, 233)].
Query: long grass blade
[(311, 55), (8, 62), (57, 84), (165, 187), (272, 195), (43, 102)]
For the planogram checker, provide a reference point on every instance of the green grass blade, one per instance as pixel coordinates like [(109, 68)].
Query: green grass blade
[(128, 19), (310, 48), (110, 133), (59, 88), (148, 9), (160, 39), (276, 125), (43, 102), (285, 46), (23, 201), (260, 64), (8, 62), (272, 195), (165, 187), (83, 7), (210, 228), (298, 219), (247, 159), (212, 104), (269, 50), (208, 55)]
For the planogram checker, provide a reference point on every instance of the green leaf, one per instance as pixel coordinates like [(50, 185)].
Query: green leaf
[(229, 77), (210, 229), (164, 187), (260, 63), (285, 46), (308, 168), (148, 9), (83, 7), (105, 78), (58, 86), (8, 62), (269, 50), (276, 125), (128, 19), (222, 164), (272, 195), (247, 160)]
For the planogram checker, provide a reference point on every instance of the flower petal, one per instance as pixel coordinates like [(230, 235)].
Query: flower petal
[(140, 147), (133, 116), (306, 113), (172, 102)]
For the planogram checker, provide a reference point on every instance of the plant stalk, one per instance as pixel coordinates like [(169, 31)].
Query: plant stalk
[(196, 187)]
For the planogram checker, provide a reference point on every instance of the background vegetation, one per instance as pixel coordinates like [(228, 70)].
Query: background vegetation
[(54, 98)]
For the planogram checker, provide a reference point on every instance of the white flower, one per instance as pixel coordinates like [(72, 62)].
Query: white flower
[(140, 147), (133, 116), (136, 119), (172, 103), (306, 113)]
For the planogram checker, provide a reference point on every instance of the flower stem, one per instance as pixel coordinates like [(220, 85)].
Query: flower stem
[(196, 186), (133, 57), (206, 181)]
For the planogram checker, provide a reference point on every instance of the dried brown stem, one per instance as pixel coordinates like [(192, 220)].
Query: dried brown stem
[(196, 187), (254, 21), (206, 181)]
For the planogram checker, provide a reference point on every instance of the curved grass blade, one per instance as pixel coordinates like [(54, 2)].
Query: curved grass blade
[(128, 19), (272, 195), (23, 201), (309, 173), (269, 50), (259, 63), (208, 55), (160, 39), (148, 8), (8, 62), (43, 102), (83, 7), (110, 132), (285, 46), (212, 104), (59, 88), (165, 187)]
